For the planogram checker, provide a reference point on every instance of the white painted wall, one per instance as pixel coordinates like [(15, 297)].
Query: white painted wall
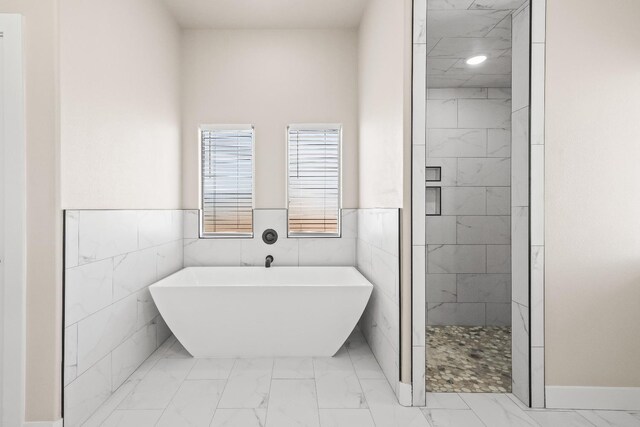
[(381, 68), (269, 78), (120, 105), (592, 253)]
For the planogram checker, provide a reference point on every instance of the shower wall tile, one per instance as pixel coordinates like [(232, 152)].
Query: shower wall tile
[(498, 314), (484, 230), (494, 172), (498, 259), (457, 143), (463, 201), (441, 288), (191, 225), (460, 93), (442, 113), (449, 170), (112, 321), (498, 201), (520, 254), (456, 259), (441, 229), (378, 260), (459, 314), (501, 92), (484, 113), (498, 143), (520, 351), (484, 288), (520, 159), (520, 59), (418, 196)]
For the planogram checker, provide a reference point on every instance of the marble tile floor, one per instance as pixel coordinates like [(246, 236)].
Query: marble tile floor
[(173, 389), (468, 359)]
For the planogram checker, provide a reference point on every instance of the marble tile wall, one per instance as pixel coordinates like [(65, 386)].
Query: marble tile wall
[(286, 251), (111, 322), (377, 258), (468, 265)]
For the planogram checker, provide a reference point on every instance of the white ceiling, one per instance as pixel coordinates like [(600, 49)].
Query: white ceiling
[(459, 29), (267, 14)]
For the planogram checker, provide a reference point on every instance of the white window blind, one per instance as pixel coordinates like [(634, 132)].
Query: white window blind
[(314, 180), (226, 181)]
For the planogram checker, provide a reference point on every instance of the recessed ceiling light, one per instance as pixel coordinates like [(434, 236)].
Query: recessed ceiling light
[(475, 60)]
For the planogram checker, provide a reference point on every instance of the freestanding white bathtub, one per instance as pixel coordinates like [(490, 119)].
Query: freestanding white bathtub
[(262, 312)]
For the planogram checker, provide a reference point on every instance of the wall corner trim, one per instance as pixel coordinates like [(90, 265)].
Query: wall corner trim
[(611, 398), (56, 423)]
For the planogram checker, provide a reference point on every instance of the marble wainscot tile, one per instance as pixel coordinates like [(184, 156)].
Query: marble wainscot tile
[(442, 113), (484, 113), (498, 259), (363, 258), (264, 219), (463, 201), (101, 332), (498, 201), (156, 227), (419, 195), (461, 314), (71, 238), (169, 258), (346, 418), (484, 230), (537, 94), (147, 310), (419, 92), (248, 384), (380, 228), (537, 195), (349, 223), (212, 252), (418, 293), (520, 345), (337, 383), (193, 405), (441, 288), (104, 234), (457, 143), (126, 358), (191, 224), (70, 353), (456, 259), (284, 251), (385, 409), (293, 403), (493, 172), (90, 390), (497, 410), (520, 254), (162, 330), (484, 287), (537, 296), (498, 143), (88, 289), (520, 158), (239, 418), (158, 387), (327, 251), (363, 361), (385, 272), (133, 271)]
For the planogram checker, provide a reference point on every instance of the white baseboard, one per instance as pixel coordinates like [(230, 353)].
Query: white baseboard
[(404, 394), (614, 398), (57, 423)]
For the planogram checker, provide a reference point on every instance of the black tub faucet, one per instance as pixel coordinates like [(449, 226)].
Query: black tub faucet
[(267, 261)]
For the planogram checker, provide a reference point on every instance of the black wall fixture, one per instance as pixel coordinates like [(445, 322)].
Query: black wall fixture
[(270, 236)]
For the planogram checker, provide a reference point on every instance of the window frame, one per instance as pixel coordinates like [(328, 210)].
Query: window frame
[(315, 126), (225, 235)]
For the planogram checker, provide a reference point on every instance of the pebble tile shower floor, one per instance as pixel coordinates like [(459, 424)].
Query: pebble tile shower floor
[(469, 359), (348, 390)]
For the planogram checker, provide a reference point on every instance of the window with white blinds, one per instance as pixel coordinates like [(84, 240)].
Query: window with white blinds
[(226, 156), (314, 180)]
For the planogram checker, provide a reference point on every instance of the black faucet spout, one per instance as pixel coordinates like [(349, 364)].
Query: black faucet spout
[(268, 260)]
